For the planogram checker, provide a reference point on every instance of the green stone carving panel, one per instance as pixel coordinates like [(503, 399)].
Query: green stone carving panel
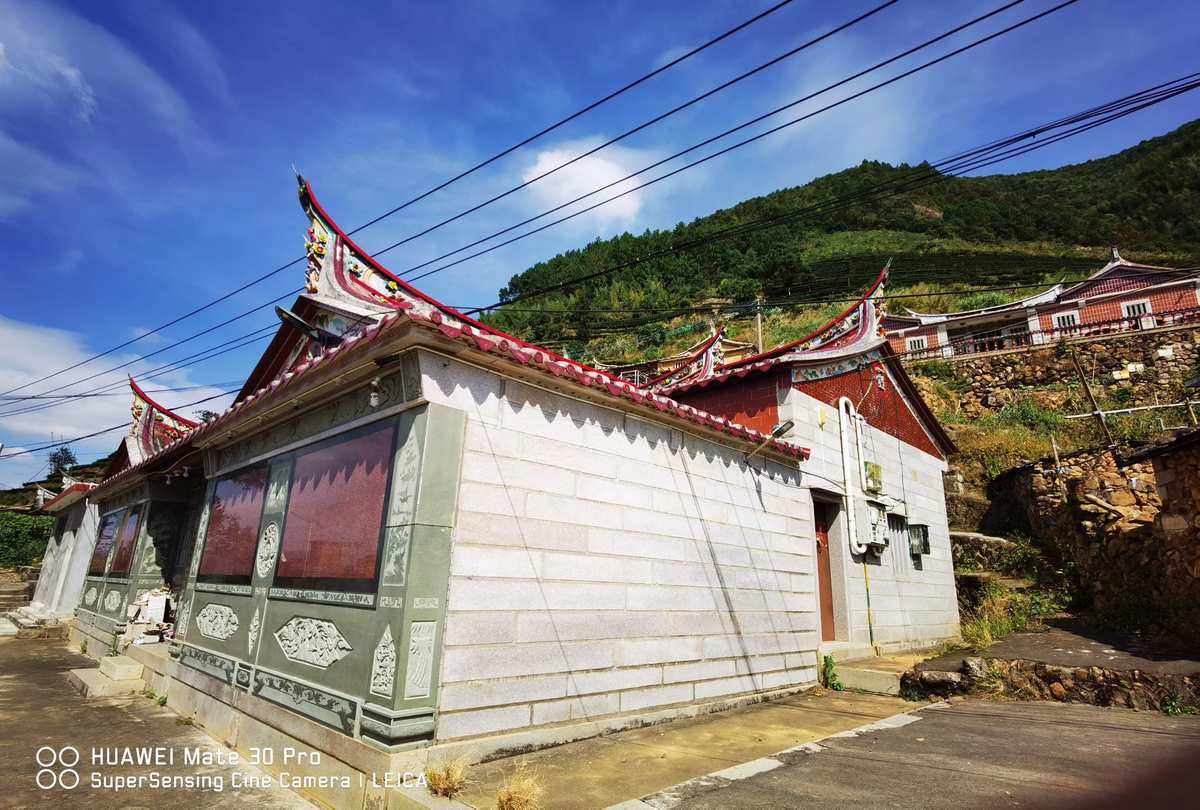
[(326, 654)]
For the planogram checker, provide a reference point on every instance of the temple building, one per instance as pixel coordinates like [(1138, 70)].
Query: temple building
[(1120, 297), (411, 528), (873, 482)]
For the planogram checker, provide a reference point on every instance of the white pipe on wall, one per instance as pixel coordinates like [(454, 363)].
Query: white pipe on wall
[(848, 424)]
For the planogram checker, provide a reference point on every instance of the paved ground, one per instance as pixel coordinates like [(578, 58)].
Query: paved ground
[(38, 709), (980, 754), (1073, 643), (608, 770)]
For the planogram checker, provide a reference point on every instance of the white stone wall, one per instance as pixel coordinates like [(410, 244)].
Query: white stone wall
[(910, 607), (64, 566), (604, 564)]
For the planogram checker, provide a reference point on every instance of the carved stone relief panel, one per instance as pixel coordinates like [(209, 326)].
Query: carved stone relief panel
[(420, 659), (217, 621), (383, 665), (316, 642)]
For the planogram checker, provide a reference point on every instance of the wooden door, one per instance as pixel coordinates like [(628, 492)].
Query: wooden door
[(824, 576)]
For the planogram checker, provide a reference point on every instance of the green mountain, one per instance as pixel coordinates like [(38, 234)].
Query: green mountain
[(992, 230)]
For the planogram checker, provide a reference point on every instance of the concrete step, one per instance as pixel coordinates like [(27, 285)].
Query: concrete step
[(7, 628), (864, 679), (880, 675), (94, 683), (120, 667)]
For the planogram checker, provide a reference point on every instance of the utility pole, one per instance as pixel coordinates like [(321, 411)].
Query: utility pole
[(758, 302), (1112, 445)]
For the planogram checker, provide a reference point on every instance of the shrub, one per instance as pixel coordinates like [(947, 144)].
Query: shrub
[(23, 538), (1001, 612), (829, 676), (1027, 413), (447, 779), (521, 791)]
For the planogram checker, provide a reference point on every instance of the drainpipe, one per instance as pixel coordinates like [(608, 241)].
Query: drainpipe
[(847, 425), (848, 421)]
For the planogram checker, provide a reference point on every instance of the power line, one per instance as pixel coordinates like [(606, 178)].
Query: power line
[(648, 123), (148, 391), (974, 160), (545, 130), (122, 426), (773, 130), (689, 149)]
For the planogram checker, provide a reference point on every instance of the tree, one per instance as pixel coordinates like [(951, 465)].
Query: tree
[(206, 415), (62, 459)]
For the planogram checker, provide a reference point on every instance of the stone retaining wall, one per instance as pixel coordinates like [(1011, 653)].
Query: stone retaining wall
[(1105, 523), (1145, 363)]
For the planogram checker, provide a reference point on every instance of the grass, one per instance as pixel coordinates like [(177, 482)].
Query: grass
[(521, 791), (1001, 612), (1174, 706), (448, 778)]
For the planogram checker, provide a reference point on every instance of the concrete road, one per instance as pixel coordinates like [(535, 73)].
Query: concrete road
[(979, 754), (38, 710)]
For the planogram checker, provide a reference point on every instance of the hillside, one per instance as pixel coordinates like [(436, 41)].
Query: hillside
[(25, 495), (1003, 229)]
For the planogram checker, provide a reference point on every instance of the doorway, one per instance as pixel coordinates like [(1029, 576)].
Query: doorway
[(823, 515)]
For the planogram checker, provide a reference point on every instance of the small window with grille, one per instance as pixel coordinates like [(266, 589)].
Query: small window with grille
[(1136, 309), (915, 344), (1066, 320)]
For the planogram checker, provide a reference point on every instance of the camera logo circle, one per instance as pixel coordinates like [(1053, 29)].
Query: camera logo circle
[(57, 767)]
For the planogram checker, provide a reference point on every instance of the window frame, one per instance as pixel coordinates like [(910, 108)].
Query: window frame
[(915, 344), (332, 584), (137, 535), (1127, 305), (120, 512), (235, 579), (1073, 315)]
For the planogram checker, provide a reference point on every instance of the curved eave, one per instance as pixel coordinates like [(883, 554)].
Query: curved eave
[(144, 397), (308, 199), (1044, 297), (692, 358), (67, 497)]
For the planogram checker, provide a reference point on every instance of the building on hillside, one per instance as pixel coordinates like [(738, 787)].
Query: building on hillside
[(1120, 297), (724, 350), (411, 528), (65, 559), (873, 482)]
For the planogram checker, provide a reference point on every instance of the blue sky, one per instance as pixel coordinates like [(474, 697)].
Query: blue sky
[(146, 147)]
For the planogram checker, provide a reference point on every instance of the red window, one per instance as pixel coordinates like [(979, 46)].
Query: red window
[(334, 520), (126, 543), (233, 527), (104, 542)]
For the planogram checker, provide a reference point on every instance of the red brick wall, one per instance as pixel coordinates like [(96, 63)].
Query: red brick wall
[(900, 342), (885, 409), (752, 401), (1110, 309)]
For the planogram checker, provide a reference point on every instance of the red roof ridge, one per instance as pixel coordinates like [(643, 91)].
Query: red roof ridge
[(140, 394)]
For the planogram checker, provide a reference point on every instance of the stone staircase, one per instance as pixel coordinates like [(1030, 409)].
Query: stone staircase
[(117, 675), (15, 595)]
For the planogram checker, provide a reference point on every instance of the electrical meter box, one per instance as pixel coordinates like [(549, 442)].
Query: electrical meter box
[(873, 525)]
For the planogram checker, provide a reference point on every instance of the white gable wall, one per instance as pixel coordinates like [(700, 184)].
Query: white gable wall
[(604, 564), (910, 607)]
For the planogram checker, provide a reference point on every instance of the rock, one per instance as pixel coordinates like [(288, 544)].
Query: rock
[(950, 681), (1058, 691), (974, 668)]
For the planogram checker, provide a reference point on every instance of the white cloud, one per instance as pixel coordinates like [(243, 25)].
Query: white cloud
[(30, 351), (29, 173), (592, 172), (51, 49)]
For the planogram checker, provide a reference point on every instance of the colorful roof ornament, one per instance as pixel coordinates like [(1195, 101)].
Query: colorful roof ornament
[(153, 427), (855, 331), (700, 364)]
